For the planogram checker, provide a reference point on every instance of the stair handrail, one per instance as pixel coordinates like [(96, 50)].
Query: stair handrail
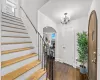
[(45, 44), (32, 24), (29, 19)]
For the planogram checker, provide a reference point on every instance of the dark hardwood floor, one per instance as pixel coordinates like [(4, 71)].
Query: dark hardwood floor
[(65, 72)]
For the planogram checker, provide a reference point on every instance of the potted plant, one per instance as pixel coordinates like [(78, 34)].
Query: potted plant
[(82, 45)]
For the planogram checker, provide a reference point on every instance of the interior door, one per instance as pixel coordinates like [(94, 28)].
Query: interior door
[(68, 46), (92, 47)]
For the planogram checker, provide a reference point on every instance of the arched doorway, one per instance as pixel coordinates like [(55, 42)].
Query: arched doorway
[(49, 35), (92, 46)]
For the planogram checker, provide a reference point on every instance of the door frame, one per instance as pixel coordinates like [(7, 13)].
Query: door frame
[(93, 12)]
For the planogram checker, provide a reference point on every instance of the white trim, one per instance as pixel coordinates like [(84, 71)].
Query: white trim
[(98, 51), (56, 59), (60, 60), (13, 5), (49, 32)]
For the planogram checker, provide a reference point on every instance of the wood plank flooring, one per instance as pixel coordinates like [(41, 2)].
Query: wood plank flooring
[(65, 72)]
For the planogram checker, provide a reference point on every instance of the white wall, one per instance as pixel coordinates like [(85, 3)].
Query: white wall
[(44, 21), (17, 6), (67, 37), (31, 8), (17, 11), (29, 28), (96, 6), (3, 5)]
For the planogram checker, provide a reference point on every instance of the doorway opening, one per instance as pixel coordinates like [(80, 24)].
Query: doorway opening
[(49, 35), (92, 46)]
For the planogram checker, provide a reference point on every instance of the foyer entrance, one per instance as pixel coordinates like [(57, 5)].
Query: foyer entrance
[(92, 46)]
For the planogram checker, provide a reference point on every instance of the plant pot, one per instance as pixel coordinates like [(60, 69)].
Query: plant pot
[(83, 69)]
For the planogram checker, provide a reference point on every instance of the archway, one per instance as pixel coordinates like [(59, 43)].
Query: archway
[(50, 37)]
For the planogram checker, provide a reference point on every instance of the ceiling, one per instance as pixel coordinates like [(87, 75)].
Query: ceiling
[(55, 9)]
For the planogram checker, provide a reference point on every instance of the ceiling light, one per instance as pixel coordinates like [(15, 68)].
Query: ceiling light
[(65, 20)]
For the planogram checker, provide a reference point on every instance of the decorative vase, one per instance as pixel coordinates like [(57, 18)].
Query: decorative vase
[(83, 69)]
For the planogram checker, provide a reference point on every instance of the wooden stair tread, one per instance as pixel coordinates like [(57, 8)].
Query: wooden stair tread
[(38, 74), (15, 60), (14, 74), (7, 43), (16, 50)]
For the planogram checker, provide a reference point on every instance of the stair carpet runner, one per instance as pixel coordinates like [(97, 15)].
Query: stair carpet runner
[(18, 59)]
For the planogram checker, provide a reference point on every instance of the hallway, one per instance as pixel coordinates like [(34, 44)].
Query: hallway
[(65, 72), (50, 39)]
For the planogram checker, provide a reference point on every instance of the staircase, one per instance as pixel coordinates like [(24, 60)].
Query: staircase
[(19, 60)]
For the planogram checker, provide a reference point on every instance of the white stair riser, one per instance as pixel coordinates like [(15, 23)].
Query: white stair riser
[(7, 24), (5, 39), (6, 57), (43, 77), (4, 33), (11, 18), (30, 72), (5, 20), (15, 46), (12, 29), (17, 65)]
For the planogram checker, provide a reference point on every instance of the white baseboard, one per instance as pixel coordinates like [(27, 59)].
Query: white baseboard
[(74, 65), (56, 59), (60, 60)]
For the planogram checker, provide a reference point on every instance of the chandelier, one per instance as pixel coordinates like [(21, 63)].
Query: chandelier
[(65, 20)]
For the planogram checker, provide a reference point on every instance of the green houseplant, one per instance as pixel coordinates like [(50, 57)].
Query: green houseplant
[(82, 48)]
